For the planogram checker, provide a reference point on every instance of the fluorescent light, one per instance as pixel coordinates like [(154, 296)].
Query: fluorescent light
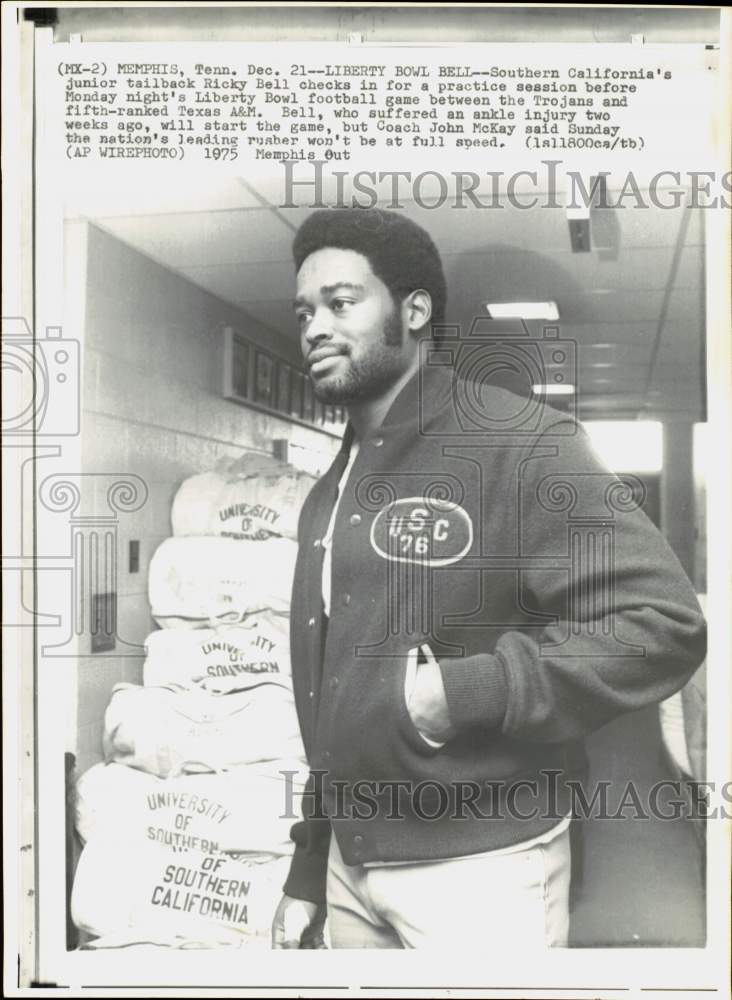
[(627, 445), (553, 390), (523, 310)]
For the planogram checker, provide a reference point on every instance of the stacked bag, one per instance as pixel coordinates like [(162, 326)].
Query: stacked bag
[(186, 824)]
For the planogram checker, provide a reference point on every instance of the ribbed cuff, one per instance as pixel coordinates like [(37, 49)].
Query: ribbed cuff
[(476, 689), (307, 876)]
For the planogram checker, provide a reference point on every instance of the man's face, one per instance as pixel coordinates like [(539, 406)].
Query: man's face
[(351, 333)]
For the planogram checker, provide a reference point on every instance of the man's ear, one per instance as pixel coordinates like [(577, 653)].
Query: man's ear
[(417, 309)]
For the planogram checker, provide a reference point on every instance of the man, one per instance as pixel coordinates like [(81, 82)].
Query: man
[(456, 625)]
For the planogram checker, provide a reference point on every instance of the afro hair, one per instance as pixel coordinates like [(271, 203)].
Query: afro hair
[(399, 251)]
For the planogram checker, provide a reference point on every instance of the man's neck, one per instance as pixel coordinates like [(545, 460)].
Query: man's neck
[(367, 415)]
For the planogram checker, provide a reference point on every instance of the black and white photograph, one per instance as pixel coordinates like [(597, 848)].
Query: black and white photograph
[(239, 352), (366, 545), (284, 380)]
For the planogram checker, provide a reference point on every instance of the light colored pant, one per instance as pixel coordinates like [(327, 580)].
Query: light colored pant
[(489, 901)]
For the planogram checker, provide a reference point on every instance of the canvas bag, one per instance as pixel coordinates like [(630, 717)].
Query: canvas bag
[(159, 729), (197, 581), (254, 497), (129, 891), (247, 809), (230, 658)]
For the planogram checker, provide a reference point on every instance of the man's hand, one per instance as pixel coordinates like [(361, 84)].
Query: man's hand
[(298, 923), (427, 704)]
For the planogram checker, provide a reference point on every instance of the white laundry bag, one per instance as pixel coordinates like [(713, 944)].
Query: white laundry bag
[(196, 581), (230, 658), (254, 497), (247, 809), (128, 892), (159, 729)]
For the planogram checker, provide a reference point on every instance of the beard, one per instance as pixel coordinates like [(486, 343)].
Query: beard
[(367, 377)]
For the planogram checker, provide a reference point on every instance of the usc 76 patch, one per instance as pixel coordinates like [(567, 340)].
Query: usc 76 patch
[(425, 530)]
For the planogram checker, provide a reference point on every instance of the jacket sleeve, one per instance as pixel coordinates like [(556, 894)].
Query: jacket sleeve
[(307, 875), (311, 836), (623, 628)]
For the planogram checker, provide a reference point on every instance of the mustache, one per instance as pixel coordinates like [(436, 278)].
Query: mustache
[(318, 353)]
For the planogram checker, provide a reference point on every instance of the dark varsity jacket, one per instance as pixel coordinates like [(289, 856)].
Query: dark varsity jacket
[(488, 529)]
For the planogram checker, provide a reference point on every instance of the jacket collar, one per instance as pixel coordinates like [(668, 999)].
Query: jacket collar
[(426, 394)]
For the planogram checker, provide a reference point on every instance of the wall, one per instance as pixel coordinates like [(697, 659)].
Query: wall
[(152, 406)]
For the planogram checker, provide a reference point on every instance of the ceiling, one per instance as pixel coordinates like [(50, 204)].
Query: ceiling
[(634, 305)]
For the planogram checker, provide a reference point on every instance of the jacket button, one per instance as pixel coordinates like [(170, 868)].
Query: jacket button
[(355, 519), (333, 683), (311, 694), (316, 543), (358, 840), (311, 623), (378, 442), (346, 600)]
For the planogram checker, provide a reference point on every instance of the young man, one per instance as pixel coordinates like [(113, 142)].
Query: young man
[(474, 593)]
